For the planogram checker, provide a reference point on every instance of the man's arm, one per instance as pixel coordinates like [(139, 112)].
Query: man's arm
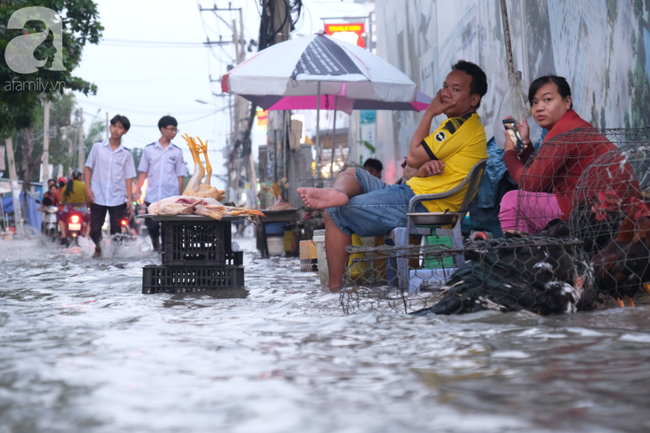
[(90, 197), (129, 174), (417, 153), (129, 195), (141, 179), (429, 168), (181, 171)]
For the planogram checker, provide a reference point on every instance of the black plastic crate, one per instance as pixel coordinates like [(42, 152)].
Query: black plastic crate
[(199, 243), (186, 279)]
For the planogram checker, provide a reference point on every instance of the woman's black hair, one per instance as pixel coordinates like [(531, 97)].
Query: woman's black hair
[(562, 87), (166, 121), (479, 85), (123, 120), (76, 175)]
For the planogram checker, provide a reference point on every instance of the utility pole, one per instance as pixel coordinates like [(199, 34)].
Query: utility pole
[(82, 148), (46, 142), (237, 107), (277, 139), (70, 167), (15, 192)]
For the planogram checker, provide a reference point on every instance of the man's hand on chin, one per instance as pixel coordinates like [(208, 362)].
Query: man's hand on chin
[(437, 106)]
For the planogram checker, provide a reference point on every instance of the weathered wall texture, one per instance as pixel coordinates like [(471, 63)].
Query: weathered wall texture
[(601, 47)]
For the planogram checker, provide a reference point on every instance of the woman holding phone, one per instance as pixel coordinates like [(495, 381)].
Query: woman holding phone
[(547, 183)]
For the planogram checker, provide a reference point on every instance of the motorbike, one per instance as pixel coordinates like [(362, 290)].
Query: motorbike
[(128, 229), (49, 225), (76, 227)]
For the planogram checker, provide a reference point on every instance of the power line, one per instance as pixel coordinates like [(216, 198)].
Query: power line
[(184, 77), (151, 44), (125, 108)]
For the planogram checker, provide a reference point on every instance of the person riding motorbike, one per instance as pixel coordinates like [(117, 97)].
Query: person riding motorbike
[(49, 208), (73, 199), (51, 195)]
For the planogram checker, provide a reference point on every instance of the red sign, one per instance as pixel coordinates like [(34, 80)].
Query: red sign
[(349, 32)]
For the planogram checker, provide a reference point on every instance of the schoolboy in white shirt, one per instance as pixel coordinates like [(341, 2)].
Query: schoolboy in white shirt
[(108, 187), (162, 163)]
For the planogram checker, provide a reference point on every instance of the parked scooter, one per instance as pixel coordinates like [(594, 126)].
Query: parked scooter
[(49, 225)]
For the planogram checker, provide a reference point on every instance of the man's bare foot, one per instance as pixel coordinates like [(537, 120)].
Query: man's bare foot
[(98, 252), (322, 198)]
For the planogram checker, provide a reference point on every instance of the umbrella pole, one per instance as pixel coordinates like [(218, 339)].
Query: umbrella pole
[(318, 149), (333, 139)]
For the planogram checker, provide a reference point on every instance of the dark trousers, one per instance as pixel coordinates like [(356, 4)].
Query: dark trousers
[(98, 215), (153, 227)]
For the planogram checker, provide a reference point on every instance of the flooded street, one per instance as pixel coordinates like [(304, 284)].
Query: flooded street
[(82, 349)]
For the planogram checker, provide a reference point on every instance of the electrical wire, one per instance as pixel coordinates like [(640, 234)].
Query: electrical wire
[(126, 109), (126, 43), (184, 77)]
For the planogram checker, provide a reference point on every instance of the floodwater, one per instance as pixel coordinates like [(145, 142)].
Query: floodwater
[(82, 350)]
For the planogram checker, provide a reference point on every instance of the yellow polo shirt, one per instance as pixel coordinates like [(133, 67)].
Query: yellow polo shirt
[(460, 143)]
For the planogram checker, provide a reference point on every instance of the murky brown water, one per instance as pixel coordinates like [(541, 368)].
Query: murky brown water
[(81, 349)]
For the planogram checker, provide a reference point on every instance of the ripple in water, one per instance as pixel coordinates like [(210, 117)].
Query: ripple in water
[(81, 349)]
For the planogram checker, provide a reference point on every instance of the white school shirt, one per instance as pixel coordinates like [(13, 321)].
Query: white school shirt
[(163, 166), (110, 171)]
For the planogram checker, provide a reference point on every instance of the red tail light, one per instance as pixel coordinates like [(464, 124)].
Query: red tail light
[(74, 219), (124, 222)]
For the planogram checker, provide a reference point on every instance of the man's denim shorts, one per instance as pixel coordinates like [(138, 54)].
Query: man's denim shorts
[(377, 210)]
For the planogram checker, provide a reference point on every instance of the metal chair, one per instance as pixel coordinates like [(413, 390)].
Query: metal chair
[(401, 235)]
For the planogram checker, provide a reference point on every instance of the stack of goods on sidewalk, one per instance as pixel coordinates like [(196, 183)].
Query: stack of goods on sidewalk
[(197, 249), (197, 256)]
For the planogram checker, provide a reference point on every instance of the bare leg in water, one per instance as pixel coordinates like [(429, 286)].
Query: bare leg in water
[(337, 257), (345, 187)]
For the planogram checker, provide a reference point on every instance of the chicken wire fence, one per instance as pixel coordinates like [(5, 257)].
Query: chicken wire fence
[(577, 237), (540, 274), (570, 173)]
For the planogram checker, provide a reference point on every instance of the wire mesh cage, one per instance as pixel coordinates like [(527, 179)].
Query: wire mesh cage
[(591, 185), (611, 212), (543, 275)]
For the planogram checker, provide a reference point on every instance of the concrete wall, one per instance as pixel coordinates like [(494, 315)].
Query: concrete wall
[(601, 47)]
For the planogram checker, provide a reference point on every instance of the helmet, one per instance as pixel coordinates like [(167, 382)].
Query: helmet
[(63, 179), (76, 174)]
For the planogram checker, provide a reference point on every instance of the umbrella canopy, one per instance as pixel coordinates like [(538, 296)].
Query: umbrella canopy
[(297, 67), (343, 103), (318, 71)]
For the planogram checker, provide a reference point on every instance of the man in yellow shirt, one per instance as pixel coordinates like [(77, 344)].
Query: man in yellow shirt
[(362, 204)]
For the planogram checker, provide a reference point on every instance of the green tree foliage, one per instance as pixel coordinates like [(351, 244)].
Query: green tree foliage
[(64, 138), (137, 155), (80, 25)]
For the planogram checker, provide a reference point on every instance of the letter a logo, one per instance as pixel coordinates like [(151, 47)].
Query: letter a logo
[(19, 53)]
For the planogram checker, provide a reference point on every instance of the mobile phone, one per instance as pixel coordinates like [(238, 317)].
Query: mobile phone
[(510, 126)]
